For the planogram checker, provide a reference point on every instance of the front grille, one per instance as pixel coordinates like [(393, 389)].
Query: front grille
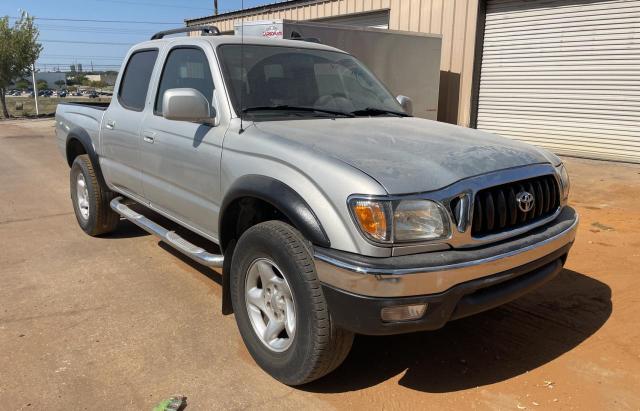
[(496, 209)]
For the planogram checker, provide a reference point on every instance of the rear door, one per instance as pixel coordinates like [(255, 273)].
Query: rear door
[(181, 159), (120, 134)]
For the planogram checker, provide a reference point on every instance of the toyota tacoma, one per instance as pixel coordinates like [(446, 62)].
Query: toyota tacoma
[(332, 210)]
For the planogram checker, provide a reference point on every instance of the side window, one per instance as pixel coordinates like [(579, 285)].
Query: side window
[(135, 80), (185, 68)]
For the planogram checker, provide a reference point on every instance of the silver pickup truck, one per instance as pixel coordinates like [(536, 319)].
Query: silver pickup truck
[(334, 210)]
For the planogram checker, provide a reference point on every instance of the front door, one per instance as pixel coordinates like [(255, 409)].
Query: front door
[(181, 159)]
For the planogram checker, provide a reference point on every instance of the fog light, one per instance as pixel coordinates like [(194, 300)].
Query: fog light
[(403, 312)]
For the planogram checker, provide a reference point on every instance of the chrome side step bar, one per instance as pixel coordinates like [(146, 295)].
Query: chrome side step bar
[(192, 251)]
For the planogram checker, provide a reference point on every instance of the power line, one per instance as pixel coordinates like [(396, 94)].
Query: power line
[(85, 63), (109, 30), (144, 35), (142, 3), (69, 63), (75, 56), (105, 21), (86, 42), (81, 61)]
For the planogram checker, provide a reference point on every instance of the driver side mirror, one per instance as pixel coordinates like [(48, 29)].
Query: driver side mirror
[(187, 104), (406, 103)]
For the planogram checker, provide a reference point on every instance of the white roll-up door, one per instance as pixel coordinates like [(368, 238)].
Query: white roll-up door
[(563, 74)]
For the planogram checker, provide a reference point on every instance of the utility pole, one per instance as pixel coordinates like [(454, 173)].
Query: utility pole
[(215, 7), (35, 87)]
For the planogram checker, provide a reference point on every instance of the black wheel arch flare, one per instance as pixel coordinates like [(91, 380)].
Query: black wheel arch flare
[(81, 135), (280, 196)]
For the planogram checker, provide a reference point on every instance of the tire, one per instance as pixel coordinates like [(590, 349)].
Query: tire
[(317, 346), (93, 212)]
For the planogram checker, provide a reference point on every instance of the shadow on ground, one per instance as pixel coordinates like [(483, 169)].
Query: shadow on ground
[(482, 349), (467, 353), (206, 271), (127, 229)]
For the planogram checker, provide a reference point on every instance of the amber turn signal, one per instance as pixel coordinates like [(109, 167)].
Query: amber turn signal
[(372, 218)]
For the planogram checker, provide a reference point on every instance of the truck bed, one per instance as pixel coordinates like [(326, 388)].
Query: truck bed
[(77, 119), (100, 105)]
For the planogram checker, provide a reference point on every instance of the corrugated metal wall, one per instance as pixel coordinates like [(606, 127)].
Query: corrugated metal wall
[(564, 74), (377, 19), (455, 20)]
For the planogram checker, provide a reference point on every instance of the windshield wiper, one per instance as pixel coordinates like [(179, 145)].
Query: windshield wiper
[(373, 111), (297, 108)]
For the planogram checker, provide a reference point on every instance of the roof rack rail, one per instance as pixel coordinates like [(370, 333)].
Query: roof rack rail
[(204, 30)]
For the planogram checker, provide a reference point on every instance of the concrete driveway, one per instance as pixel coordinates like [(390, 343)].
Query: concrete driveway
[(122, 322)]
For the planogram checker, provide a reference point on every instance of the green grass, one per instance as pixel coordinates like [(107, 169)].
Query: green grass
[(46, 105)]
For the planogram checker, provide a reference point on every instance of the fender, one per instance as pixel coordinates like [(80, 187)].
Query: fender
[(281, 196), (85, 140)]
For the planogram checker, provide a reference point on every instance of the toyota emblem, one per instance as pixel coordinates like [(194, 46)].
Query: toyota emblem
[(525, 201)]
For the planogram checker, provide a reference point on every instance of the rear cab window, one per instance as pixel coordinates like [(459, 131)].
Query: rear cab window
[(135, 80)]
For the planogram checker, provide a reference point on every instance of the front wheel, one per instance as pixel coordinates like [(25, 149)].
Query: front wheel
[(280, 308)]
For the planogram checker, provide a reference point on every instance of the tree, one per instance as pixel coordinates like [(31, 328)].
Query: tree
[(42, 84), (19, 49), (77, 79), (22, 84), (97, 84), (59, 83)]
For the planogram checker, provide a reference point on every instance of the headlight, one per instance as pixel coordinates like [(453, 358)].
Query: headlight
[(400, 221), (415, 220), (564, 180)]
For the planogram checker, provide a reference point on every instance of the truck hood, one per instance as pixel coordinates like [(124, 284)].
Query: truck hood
[(407, 155)]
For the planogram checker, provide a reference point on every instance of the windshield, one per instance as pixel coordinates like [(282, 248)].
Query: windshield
[(284, 81)]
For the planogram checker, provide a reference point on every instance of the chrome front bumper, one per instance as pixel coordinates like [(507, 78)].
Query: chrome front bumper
[(436, 272)]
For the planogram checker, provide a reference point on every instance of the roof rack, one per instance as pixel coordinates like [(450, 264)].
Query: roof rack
[(204, 30)]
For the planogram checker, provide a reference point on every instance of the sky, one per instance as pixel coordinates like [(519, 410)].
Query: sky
[(67, 41)]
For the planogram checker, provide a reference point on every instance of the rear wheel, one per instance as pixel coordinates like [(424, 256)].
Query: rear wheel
[(280, 308), (91, 200)]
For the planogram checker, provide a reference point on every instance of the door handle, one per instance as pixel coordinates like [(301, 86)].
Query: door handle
[(110, 124), (148, 136)]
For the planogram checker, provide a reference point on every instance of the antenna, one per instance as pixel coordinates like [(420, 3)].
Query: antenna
[(241, 68)]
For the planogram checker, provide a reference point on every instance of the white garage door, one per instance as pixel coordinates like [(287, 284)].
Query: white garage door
[(564, 74)]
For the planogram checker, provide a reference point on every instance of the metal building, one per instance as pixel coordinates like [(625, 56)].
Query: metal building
[(564, 74)]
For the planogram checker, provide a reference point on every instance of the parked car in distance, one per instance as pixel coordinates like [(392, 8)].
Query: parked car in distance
[(93, 94), (335, 211)]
